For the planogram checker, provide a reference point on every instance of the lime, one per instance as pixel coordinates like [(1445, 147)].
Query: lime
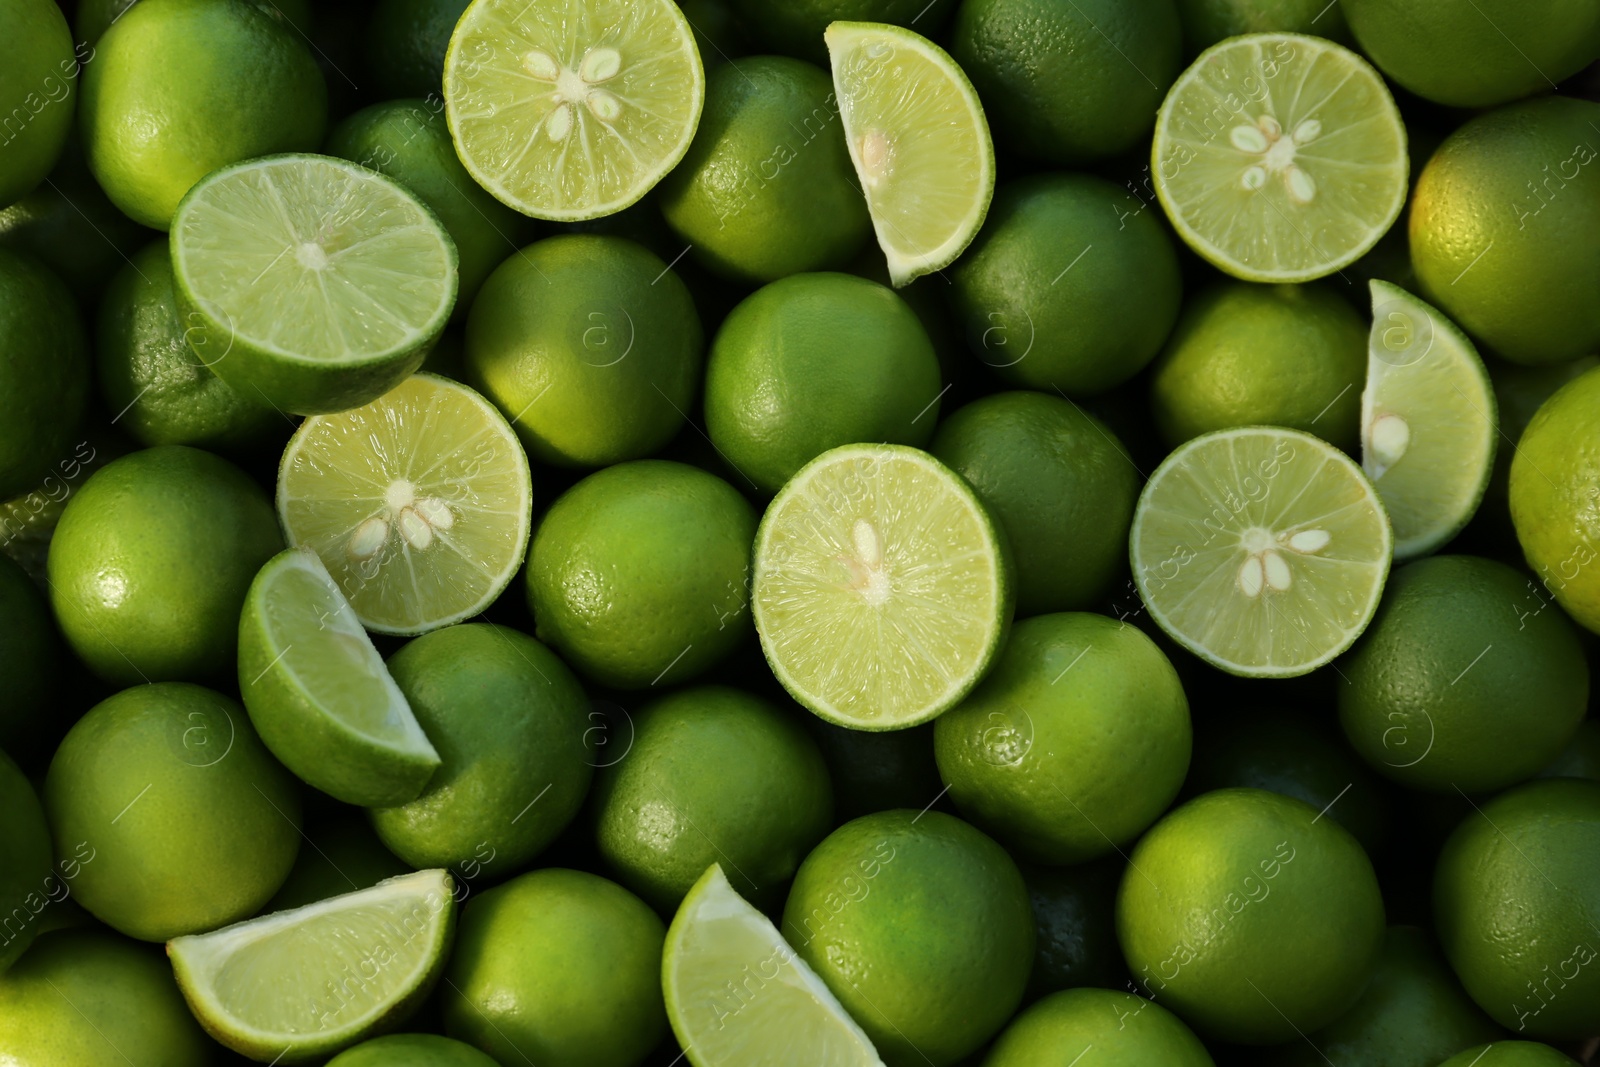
[(411, 1050), (418, 503), (30, 663), (91, 997), (340, 855), (1123, 1030), (40, 66), (311, 281), (766, 189), (298, 985), (151, 562), (1505, 229), (797, 27), (94, 17), (883, 588), (812, 362), (1074, 910), (1070, 286), (558, 968), (1510, 1054), (511, 725), (1479, 52), (1076, 741), (1229, 521), (44, 378), (1516, 897), (1280, 157), (640, 572), (1251, 916), (190, 822), (1069, 84), (590, 345), (918, 140), (406, 41), (179, 88), (621, 92), (1580, 757), (1250, 355), (920, 926), (722, 957), (1205, 22), (27, 875)]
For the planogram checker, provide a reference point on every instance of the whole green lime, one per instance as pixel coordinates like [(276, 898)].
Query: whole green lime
[(559, 968), (639, 574), (508, 720), (405, 45), (179, 88), (814, 361), (1069, 84), (1061, 484), (412, 1050), (30, 661), (341, 855), (590, 345), (1516, 898), (1076, 741), (1123, 1030), (1450, 690), (1074, 911), (85, 997), (189, 821), (1510, 1054), (661, 820), (151, 562), (1505, 228), (766, 188), (1071, 285), (1249, 915), (38, 72), (27, 882), (795, 27), (44, 372), (1262, 355), (920, 926), (1205, 22)]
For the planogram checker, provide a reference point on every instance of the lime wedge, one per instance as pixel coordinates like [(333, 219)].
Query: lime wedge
[(919, 142), (419, 503), (572, 109), (318, 692), (1280, 157), (1428, 421), (1262, 550), (737, 993), (302, 984), (311, 281), (882, 590)]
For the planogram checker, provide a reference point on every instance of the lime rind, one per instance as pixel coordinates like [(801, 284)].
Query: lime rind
[(1262, 550), (918, 140), (1280, 157), (1429, 422)]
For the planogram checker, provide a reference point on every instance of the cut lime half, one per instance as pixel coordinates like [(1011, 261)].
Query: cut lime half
[(572, 109), (312, 282), (418, 503), (1428, 421), (1280, 157), (882, 591), (737, 993), (302, 984), (1262, 550), (918, 140)]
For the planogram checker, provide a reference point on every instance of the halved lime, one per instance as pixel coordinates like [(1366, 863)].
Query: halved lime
[(419, 503), (302, 984), (1428, 421), (572, 109), (1280, 157), (919, 142), (318, 692), (1262, 550), (882, 587), (312, 282), (737, 993)]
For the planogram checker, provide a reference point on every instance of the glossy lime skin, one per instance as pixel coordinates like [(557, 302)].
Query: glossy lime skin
[(44, 372), (27, 878), (1510, 1054), (38, 82), (30, 660), (412, 1050), (1124, 1030)]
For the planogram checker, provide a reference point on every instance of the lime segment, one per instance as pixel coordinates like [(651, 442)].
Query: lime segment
[(1428, 421), (1262, 550), (419, 503), (738, 994), (918, 140), (881, 590), (1280, 157)]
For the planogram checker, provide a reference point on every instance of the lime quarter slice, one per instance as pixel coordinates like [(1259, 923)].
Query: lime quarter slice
[(1262, 550), (882, 587), (737, 993), (1280, 157), (918, 140), (1429, 425)]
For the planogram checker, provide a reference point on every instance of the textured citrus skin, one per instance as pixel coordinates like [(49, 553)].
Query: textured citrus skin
[(44, 372), (1123, 1030), (411, 1050), (1206, 22), (38, 82), (27, 881), (1510, 1054)]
